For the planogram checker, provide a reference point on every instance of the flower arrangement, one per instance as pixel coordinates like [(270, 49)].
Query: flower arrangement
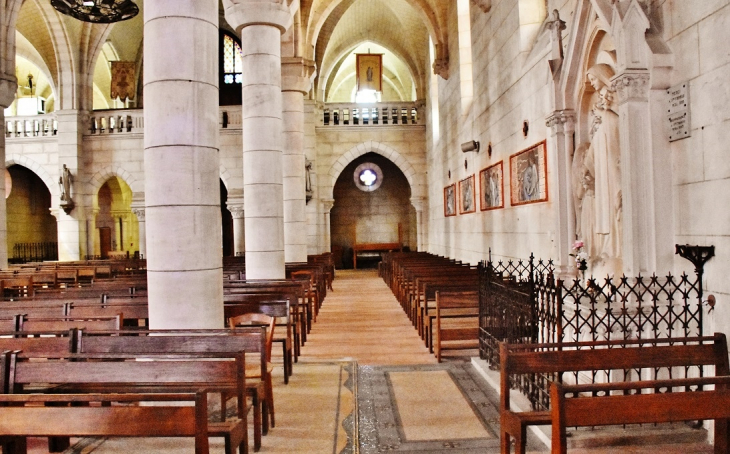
[(581, 256)]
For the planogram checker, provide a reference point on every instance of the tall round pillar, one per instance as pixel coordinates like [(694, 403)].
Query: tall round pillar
[(261, 25), (182, 184), (8, 87), (295, 84)]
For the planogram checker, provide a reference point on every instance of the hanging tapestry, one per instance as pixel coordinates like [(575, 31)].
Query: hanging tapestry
[(123, 83)]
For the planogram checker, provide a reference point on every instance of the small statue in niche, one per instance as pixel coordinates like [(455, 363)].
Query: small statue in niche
[(64, 184), (308, 180)]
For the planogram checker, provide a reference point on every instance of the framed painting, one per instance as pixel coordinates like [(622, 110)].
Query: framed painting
[(369, 72), (467, 196), (528, 175), (491, 185), (450, 200)]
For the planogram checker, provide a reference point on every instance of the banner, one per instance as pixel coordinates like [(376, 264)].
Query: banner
[(123, 83)]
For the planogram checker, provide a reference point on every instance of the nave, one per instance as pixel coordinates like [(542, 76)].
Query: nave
[(359, 325)]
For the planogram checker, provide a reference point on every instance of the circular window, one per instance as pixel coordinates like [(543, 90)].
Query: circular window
[(368, 177)]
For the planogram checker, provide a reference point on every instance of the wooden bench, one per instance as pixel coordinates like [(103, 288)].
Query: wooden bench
[(252, 341), (222, 373), (457, 321), (650, 401), (62, 415), (580, 357)]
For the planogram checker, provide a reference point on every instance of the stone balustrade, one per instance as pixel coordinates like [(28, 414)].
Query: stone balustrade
[(116, 121), (45, 125), (380, 114)]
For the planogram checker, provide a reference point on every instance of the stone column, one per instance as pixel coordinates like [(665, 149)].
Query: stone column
[(632, 90), (239, 229), (261, 24), (562, 125), (181, 166), (141, 225), (327, 205), (8, 87), (295, 83), (418, 203)]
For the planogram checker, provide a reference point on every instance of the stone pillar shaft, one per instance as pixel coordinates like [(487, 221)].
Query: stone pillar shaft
[(182, 195), (295, 221), (262, 152), (142, 226), (239, 230)]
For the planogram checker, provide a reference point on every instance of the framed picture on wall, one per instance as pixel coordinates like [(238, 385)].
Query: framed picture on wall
[(528, 175), (450, 200), (491, 185), (467, 196)]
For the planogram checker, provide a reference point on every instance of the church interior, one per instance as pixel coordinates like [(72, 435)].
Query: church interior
[(472, 179)]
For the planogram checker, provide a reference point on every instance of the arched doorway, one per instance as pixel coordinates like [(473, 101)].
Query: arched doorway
[(118, 228), (32, 229), (226, 223), (364, 215)]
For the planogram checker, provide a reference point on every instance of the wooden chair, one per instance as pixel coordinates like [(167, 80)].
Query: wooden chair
[(254, 373)]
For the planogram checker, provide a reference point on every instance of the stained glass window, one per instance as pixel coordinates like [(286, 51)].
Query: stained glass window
[(232, 61)]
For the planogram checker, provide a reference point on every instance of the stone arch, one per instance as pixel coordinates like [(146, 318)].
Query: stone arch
[(100, 177), (370, 146), (226, 177), (25, 161)]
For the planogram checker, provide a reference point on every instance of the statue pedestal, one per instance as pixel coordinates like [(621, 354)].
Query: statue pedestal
[(67, 206)]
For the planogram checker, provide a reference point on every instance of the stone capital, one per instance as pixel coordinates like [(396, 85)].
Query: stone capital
[(236, 211), (418, 203), (8, 88), (139, 212), (297, 74), (631, 86), (243, 13), (441, 67), (327, 205), (484, 5), (561, 121)]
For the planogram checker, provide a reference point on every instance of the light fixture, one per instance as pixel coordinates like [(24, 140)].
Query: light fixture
[(97, 11), (471, 145)]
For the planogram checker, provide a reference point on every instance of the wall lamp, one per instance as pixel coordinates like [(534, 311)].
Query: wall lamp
[(472, 145)]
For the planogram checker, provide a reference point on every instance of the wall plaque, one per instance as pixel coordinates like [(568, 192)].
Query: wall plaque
[(678, 112)]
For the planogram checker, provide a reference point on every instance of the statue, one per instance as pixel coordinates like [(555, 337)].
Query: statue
[(603, 163), (64, 184), (309, 191)]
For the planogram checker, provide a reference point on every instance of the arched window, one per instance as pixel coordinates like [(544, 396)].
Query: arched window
[(232, 60)]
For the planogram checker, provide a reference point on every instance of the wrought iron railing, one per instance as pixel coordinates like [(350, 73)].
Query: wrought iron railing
[(34, 252), (522, 302)]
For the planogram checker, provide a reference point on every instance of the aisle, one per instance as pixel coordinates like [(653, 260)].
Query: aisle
[(362, 321)]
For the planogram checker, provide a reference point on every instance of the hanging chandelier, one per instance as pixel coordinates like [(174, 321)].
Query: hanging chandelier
[(97, 11)]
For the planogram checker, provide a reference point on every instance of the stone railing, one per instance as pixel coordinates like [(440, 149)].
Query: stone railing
[(380, 114), (231, 117), (116, 121), (44, 125)]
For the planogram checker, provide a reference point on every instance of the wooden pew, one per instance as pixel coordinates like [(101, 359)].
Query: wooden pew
[(64, 323), (122, 373), (457, 321), (27, 415), (650, 401), (557, 359), (252, 341)]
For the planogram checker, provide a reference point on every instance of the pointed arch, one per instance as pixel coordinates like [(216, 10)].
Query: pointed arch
[(29, 163), (115, 170), (366, 147)]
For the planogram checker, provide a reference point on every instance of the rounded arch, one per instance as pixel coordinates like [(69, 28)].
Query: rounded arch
[(366, 147), (25, 161), (101, 177), (226, 177)]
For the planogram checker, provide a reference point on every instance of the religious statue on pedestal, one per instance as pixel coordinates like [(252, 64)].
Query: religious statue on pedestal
[(64, 184)]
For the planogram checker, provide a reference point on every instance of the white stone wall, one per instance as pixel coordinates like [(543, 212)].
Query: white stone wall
[(698, 34), (509, 88)]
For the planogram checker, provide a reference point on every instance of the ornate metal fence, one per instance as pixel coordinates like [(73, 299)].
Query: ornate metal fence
[(34, 252), (522, 302)]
